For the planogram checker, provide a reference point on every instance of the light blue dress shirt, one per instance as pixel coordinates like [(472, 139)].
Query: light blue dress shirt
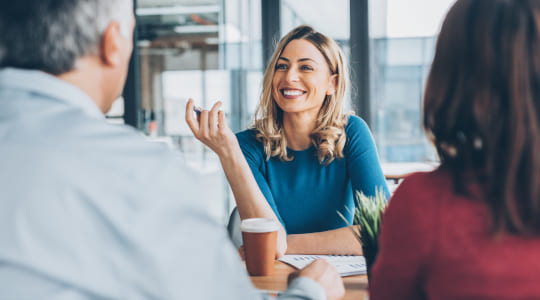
[(90, 210)]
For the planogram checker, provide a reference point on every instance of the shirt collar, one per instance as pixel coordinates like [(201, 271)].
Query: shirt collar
[(43, 83)]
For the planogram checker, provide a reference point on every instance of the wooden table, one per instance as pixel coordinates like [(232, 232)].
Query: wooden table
[(355, 286)]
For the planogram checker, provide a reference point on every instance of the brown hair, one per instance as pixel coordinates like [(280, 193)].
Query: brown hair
[(482, 103), (329, 133)]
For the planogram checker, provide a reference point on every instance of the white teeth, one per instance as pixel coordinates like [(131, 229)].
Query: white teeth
[(292, 93)]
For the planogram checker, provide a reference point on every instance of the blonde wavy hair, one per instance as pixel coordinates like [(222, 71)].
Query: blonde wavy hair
[(329, 133)]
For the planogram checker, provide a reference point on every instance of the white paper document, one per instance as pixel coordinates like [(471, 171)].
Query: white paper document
[(347, 265)]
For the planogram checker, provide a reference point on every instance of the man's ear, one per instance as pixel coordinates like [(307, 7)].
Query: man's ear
[(332, 84), (111, 45)]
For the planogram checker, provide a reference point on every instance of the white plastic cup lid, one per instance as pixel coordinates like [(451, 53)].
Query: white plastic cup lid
[(259, 225)]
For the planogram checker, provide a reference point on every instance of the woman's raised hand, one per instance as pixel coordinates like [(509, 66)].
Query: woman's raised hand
[(210, 127)]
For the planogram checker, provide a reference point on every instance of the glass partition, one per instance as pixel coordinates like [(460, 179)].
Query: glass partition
[(208, 50)]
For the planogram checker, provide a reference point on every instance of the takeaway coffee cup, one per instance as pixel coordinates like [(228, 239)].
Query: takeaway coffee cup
[(260, 238)]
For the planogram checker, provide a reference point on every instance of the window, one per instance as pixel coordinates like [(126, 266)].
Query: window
[(328, 17), (402, 42)]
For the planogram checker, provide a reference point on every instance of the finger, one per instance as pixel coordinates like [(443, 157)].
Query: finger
[(193, 125), (203, 124), (213, 118), (222, 122), (317, 262)]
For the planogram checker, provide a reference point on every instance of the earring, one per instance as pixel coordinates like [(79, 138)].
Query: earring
[(449, 149)]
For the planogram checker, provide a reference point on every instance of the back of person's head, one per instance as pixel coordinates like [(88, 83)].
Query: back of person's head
[(328, 135), (482, 105), (50, 35)]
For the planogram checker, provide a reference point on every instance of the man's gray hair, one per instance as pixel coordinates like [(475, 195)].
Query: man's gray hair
[(50, 35)]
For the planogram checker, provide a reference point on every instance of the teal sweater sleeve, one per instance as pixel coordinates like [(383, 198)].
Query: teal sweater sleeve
[(306, 195), (362, 159)]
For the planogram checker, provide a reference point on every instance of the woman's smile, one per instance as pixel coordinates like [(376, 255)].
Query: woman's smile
[(290, 93)]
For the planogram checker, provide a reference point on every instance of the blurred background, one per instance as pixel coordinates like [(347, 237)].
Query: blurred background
[(216, 50)]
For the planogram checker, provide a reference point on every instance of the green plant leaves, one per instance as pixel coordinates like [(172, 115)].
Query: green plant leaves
[(368, 216)]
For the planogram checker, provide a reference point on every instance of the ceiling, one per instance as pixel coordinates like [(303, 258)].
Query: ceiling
[(175, 18)]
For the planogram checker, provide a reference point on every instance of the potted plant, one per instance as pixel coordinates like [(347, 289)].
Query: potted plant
[(367, 216)]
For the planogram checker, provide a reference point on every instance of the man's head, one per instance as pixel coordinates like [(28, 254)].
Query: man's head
[(59, 37)]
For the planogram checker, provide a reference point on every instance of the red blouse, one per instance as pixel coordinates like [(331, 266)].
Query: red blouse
[(435, 244)]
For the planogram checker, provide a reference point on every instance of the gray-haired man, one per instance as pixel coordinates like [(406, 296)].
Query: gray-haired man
[(89, 210)]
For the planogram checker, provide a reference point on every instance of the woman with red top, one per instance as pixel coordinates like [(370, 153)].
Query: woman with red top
[(471, 229)]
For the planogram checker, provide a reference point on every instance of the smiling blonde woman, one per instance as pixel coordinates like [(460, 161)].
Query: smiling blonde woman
[(328, 136), (303, 157)]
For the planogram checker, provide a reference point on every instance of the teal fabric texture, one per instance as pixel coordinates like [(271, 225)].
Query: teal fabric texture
[(305, 194)]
